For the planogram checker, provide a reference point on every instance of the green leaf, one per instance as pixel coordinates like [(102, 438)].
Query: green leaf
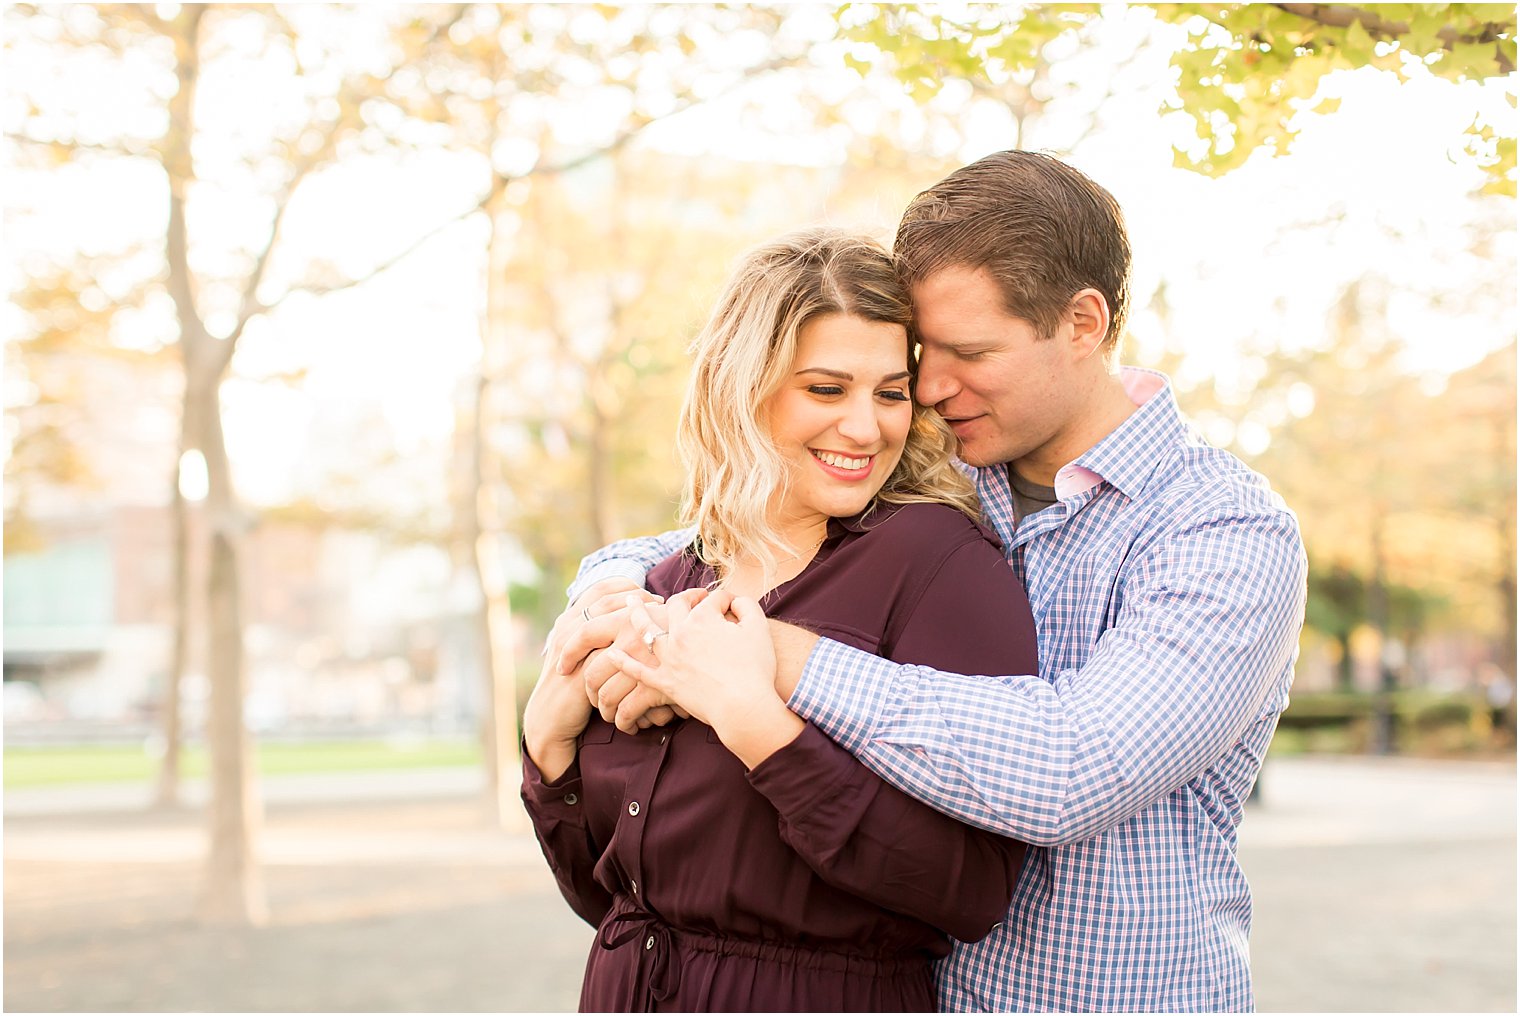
[(1358, 44)]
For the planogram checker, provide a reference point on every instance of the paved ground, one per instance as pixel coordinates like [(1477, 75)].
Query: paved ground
[(1381, 886)]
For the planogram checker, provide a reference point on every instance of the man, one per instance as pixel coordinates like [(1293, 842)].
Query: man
[(1167, 584)]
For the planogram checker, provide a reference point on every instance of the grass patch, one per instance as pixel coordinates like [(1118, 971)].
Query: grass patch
[(37, 767)]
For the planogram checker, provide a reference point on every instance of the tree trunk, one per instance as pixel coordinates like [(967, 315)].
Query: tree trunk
[(604, 515), (233, 892), (500, 730), (1345, 675), (1509, 607), (1384, 722), (166, 794)]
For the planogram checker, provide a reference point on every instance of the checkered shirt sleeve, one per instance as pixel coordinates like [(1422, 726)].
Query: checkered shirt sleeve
[(1209, 621)]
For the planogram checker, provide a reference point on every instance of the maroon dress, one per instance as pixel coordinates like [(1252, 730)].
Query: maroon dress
[(807, 883)]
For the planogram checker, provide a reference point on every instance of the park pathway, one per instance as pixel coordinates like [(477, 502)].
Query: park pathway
[(1382, 885)]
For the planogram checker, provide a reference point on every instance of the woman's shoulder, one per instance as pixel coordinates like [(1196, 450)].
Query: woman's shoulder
[(924, 527), (681, 570)]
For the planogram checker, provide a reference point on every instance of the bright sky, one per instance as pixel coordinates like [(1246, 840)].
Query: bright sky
[(1248, 260)]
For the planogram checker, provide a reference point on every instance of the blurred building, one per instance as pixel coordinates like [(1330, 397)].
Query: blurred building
[(344, 634)]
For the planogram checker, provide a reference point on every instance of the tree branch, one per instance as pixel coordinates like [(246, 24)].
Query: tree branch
[(1344, 16), (499, 181), (75, 145)]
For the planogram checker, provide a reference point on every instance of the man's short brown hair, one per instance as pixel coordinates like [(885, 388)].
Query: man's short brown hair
[(1041, 228)]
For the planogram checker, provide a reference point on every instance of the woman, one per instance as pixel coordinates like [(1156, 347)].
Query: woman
[(738, 859)]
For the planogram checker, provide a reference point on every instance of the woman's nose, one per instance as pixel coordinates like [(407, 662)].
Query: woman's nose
[(860, 424)]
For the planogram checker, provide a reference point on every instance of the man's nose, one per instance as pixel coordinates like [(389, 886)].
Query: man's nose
[(934, 384)]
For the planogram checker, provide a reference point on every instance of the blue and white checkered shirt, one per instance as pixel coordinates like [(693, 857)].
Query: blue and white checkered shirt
[(1167, 586)]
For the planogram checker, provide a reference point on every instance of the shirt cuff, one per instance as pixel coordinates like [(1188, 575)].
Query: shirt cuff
[(806, 772), (617, 568), (846, 691), (560, 799)]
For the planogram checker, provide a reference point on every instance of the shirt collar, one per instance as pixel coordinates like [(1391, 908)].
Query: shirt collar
[(1130, 453), (875, 514)]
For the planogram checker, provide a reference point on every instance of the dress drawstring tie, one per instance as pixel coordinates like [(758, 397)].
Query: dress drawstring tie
[(637, 923)]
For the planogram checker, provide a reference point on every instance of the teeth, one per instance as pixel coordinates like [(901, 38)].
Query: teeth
[(841, 462)]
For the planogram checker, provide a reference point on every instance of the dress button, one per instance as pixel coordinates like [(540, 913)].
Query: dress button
[(571, 799), (664, 738), (634, 886), (633, 807), (649, 943)]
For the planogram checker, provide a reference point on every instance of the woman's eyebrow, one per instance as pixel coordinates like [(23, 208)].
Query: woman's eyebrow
[(901, 375)]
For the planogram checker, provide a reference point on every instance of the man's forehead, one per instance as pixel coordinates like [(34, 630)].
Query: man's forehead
[(955, 306)]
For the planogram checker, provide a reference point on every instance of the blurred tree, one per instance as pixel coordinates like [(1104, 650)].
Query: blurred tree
[(1243, 70), (540, 93), (1476, 415), (1337, 606), (1389, 479), (218, 281)]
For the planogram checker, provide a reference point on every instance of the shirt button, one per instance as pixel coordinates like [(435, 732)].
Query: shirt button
[(649, 943), (635, 887), (571, 799), (633, 807), (663, 738)]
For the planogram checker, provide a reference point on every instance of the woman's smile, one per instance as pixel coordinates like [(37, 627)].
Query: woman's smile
[(851, 468)]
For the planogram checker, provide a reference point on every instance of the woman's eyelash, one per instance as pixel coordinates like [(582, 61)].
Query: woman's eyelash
[(893, 394)]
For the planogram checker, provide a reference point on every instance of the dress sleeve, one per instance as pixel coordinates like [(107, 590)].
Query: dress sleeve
[(559, 822), (871, 839), (865, 837)]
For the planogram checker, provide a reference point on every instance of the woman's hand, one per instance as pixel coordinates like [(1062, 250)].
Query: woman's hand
[(556, 713), (720, 670), (608, 687)]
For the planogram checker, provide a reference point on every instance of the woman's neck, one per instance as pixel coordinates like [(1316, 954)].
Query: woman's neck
[(802, 538)]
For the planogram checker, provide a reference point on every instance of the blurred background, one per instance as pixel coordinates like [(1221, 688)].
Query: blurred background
[(337, 334)]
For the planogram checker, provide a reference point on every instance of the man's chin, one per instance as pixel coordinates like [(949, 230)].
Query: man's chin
[(974, 454)]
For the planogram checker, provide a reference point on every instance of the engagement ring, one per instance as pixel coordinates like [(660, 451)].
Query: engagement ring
[(650, 636)]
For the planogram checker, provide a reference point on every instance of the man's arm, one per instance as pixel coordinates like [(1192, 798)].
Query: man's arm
[(627, 559), (1207, 633), (793, 647)]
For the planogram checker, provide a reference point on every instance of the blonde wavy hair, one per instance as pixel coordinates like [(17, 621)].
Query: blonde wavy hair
[(735, 476)]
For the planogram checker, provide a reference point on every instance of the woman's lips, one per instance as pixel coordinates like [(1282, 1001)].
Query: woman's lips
[(842, 472)]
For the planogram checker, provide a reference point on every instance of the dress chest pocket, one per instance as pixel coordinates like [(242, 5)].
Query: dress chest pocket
[(598, 731)]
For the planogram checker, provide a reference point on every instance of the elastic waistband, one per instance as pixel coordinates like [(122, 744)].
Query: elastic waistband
[(817, 957), (814, 957)]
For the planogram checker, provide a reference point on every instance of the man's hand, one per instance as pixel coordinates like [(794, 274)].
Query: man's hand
[(617, 695), (583, 625)]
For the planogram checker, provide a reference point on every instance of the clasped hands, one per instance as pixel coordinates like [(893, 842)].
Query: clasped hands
[(642, 662)]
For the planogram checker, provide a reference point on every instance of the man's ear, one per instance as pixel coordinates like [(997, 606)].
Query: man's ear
[(1089, 317)]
